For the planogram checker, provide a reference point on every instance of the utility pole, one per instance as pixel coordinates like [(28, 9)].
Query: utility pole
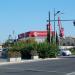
[(48, 30), (54, 25)]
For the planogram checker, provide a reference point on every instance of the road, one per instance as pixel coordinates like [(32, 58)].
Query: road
[(63, 66)]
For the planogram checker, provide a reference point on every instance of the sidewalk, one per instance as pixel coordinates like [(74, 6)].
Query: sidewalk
[(5, 62)]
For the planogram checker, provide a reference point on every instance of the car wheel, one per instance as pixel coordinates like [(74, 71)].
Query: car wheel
[(64, 54)]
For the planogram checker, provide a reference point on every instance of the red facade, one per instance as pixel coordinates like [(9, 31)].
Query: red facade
[(34, 34)]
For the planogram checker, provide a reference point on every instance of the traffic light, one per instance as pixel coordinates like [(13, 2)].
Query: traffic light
[(74, 22)]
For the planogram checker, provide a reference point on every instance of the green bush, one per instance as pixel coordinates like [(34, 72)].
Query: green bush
[(72, 51), (47, 50), (53, 50), (44, 50), (14, 54), (51, 54)]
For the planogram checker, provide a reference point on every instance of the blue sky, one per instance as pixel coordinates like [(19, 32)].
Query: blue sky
[(28, 15)]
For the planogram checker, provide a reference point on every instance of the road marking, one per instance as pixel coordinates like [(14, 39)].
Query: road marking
[(72, 73), (21, 69), (32, 70)]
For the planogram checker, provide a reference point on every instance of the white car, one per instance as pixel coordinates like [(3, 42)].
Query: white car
[(65, 52)]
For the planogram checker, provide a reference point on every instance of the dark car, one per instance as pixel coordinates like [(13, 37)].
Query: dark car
[(4, 52)]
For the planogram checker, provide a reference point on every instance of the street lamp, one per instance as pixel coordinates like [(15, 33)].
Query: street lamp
[(55, 13)]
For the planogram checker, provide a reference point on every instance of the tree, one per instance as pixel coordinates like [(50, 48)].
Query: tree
[(57, 39)]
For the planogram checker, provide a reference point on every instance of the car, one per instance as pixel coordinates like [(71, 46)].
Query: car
[(65, 52), (0, 52), (4, 52)]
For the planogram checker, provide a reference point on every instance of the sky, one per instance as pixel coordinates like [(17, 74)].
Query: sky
[(19, 16)]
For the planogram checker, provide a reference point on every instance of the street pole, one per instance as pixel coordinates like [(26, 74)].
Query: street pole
[(54, 27), (49, 29), (55, 13)]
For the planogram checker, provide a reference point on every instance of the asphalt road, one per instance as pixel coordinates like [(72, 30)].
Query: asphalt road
[(64, 66)]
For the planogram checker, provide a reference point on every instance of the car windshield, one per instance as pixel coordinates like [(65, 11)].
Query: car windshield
[(5, 49)]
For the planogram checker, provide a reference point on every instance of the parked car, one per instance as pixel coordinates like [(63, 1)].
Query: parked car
[(0, 52), (4, 52), (65, 52)]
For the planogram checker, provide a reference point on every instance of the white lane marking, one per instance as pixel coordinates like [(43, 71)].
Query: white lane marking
[(33, 70), (21, 69), (72, 73)]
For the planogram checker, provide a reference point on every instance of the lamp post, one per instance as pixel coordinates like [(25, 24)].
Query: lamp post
[(55, 13)]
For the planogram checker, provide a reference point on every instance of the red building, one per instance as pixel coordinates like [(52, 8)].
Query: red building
[(39, 36)]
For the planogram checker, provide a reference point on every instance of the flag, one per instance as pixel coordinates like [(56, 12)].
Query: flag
[(59, 23), (61, 29), (62, 32)]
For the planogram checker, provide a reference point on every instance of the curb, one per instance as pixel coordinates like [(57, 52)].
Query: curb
[(27, 61)]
